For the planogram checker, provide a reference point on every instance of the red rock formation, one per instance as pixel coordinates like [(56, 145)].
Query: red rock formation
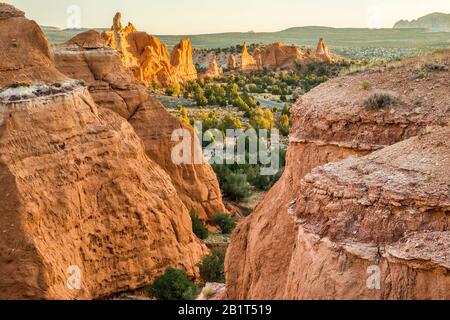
[(112, 87), (78, 187), (150, 60), (278, 55), (213, 71), (281, 56), (248, 63), (300, 243)]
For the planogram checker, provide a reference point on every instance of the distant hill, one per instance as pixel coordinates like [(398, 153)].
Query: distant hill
[(435, 22)]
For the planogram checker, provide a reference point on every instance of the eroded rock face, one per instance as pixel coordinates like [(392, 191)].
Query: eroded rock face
[(150, 60), (387, 212), (80, 196), (213, 71), (112, 87), (315, 237), (278, 55)]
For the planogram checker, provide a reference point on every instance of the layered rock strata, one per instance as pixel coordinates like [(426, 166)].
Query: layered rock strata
[(85, 212)]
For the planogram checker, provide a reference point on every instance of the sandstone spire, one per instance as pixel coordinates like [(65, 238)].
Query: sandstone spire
[(232, 63), (248, 63), (214, 70), (323, 52)]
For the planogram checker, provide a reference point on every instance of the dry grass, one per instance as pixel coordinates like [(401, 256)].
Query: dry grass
[(381, 99)]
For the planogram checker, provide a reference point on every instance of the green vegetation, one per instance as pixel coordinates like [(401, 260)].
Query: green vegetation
[(198, 226), (236, 186), (212, 266), (173, 90), (224, 222), (20, 84), (366, 85), (173, 285)]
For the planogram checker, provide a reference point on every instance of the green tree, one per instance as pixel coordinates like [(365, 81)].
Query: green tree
[(173, 285), (284, 125), (230, 122), (212, 267), (262, 119), (236, 186), (198, 226), (224, 222)]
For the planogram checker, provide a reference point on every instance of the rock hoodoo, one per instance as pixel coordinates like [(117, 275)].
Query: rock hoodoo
[(112, 86), (81, 199), (248, 62), (213, 71), (232, 62), (323, 52), (150, 60), (321, 229)]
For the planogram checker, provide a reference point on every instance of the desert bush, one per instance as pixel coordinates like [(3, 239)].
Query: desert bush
[(173, 90), (366, 85), (20, 84), (284, 125), (236, 186), (381, 99), (173, 285), (198, 226), (435, 66), (224, 222), (212, 267), (209, 293)]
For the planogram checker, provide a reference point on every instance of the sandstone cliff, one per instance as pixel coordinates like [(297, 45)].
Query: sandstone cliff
[(314, 237), (150, 60), (80, 196), (112, 87)]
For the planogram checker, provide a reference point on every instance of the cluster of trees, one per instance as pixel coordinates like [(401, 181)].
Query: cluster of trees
[(239, 181), (175, 284)]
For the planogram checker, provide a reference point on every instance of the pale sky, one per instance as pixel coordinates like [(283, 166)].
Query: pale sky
[(182, 17)]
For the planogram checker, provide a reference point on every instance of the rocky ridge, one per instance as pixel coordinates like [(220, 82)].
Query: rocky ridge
[(86, 212)]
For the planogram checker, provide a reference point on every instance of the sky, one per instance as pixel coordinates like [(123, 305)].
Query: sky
[(184, 17)]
